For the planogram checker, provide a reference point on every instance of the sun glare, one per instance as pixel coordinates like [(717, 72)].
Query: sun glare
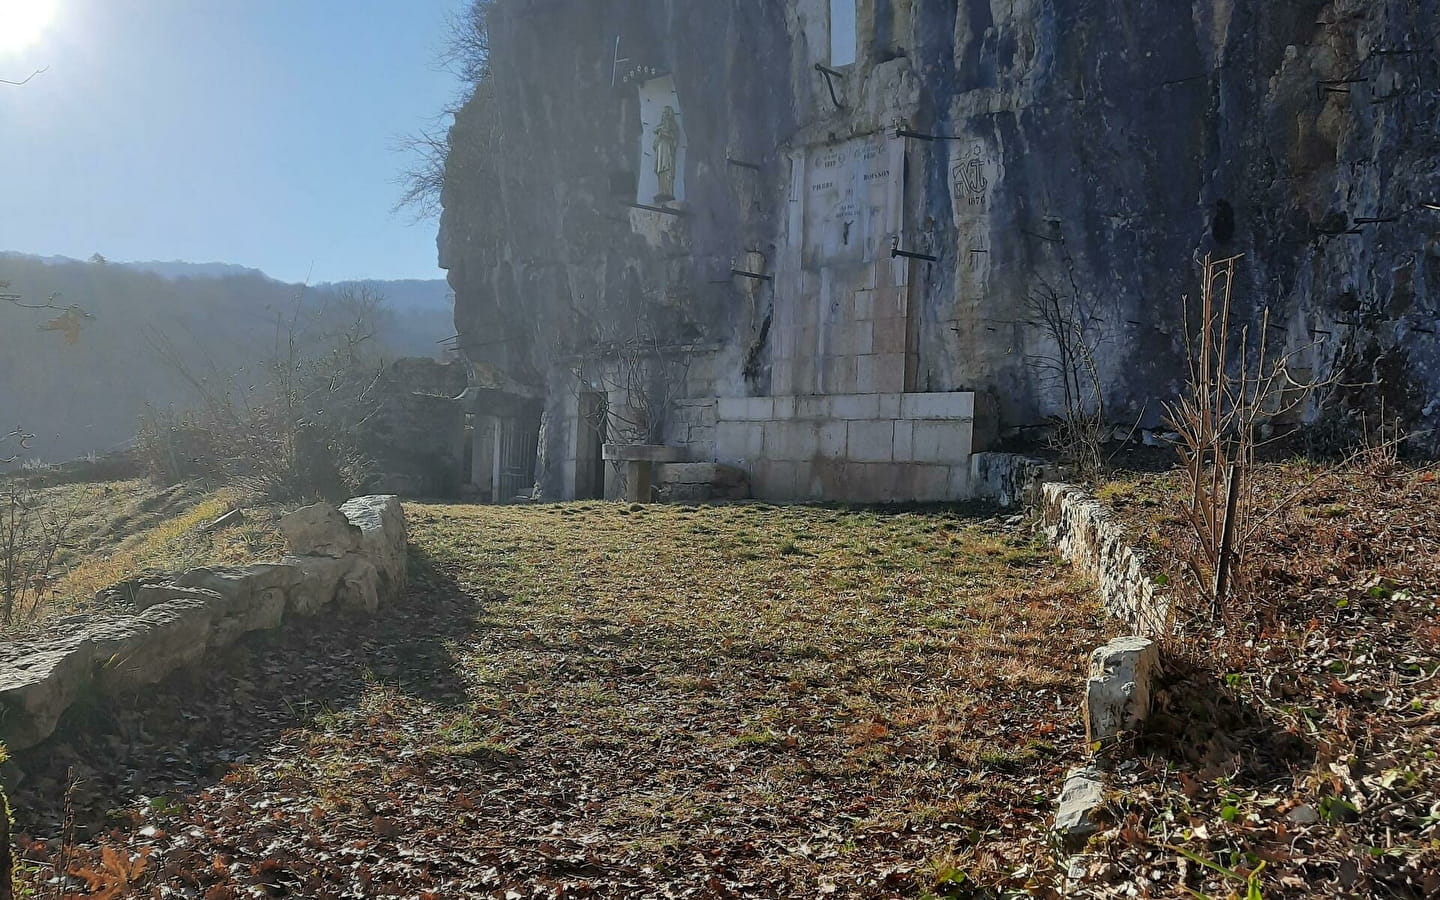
[(23, 22)]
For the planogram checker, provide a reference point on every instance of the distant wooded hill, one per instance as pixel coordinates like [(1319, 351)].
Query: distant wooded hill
[(86, 396)]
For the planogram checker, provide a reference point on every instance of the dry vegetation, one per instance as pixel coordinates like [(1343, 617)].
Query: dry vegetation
[(1303, 736), (116, 530), (605, 700)]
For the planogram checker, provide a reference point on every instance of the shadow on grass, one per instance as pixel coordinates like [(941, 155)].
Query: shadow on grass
[(184, 734), (1203, 724)]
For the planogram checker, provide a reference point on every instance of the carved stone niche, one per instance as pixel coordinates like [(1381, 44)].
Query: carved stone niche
[(663, 145)]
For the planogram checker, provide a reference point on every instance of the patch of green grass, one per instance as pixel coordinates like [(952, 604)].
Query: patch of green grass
[(756, 739), (1113, 491)]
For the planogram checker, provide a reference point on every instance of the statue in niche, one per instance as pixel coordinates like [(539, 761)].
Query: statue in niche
[(667, 145)]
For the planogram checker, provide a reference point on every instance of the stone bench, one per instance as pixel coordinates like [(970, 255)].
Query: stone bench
[(640, 460)]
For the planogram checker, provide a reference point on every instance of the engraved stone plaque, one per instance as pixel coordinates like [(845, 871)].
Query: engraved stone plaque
[(851, 201)]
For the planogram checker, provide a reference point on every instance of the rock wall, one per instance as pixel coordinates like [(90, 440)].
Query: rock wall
[(1082, 150), (415, 438), (350, 558)]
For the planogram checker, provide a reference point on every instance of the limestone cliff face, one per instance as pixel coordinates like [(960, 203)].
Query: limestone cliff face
[(1086, 149), (537, 234), (1129, 139)]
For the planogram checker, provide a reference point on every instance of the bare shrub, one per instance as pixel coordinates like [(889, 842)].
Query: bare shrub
[(466, 54), (32, 532), (1235, 386), (293, 431), (1080, 430)]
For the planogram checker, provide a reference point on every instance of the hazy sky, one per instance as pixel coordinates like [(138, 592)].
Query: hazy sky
[(257, 132)]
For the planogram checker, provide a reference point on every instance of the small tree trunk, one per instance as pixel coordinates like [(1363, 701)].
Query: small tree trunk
[(1227, 537)]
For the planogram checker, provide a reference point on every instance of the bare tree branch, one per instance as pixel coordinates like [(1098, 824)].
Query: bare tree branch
[(27, 78), (467, 55)]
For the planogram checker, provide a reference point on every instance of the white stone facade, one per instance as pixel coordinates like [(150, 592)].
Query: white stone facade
[(864, 448)]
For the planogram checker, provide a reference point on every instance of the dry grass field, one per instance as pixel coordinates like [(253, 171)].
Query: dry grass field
[(601, 700)]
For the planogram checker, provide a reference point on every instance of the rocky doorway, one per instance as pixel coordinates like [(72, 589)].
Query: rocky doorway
[(589, 446)]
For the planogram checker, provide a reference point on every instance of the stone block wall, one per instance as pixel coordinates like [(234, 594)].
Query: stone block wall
[(692, 426), (863, 448), (350, 558), (855, 340), (416, 434)]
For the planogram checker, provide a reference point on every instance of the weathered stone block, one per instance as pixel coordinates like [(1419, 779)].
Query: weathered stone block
[(929, 484), (1008, 478), (942, 442), (855, 406), (701, 442), (202, 609), (784, 341), (759, 409), (864, 304), (384, 540), (960, 484), (805, 368), (889, 372), (1080, 799), (1117, 694), (813, 406), (351, 583), (39, 679), (874, 482), (317, 585), (775, 480), (1086, 534), (888, 406), (832, 439), (146, 596), (865, 372), (321, 530), (732, 409), (735, 441), (860, 338), (951, 405), (237, 589), (791, 440), (155, 643), (889, 302), (890, 335), (782, 376), (840, 375), (698, 482), (904, 441), (695, 412), (871, 441), (900, 271)]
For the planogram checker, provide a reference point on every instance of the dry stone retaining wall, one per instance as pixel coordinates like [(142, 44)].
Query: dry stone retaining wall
[(1084, 532), (352, 557), (1117, 691)]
